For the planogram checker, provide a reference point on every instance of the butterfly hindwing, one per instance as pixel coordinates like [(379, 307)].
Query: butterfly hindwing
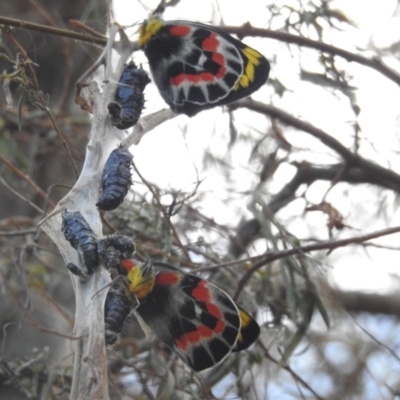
[(196, 66), (192, 316)]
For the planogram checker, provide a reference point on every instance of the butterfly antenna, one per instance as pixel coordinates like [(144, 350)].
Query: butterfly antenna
[(109, 285)]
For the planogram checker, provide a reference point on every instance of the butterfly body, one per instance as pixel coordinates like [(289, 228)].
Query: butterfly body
[(197, 66)]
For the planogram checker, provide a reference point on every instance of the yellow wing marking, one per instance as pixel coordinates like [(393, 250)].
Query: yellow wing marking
[(253, 60)]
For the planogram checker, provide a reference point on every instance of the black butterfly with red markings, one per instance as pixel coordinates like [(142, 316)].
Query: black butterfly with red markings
[(197, 66), (192, 316)]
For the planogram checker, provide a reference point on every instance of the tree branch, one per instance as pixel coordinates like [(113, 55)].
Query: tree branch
[(327, 245), (90, 368), (241, 31), (371, 303), (374, 63), (352, 159), (306, 174), (53, 31), (358, 170)]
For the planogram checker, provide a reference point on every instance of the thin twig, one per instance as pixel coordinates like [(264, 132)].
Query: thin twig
[(22, 232), (22, 198), (67, 49), (73, 23), (352, 159), (39, 287), (245, 30), (172, 227), (374, 63), (286, 367), (53, 31), (306, 174), (63, 141), (31, 319), (22, 176), (42, 100), (327, 245), (146, 124)]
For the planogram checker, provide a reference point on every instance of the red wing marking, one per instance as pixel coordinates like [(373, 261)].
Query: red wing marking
[(214, 310), (205, 331), (181, 343), (202, 332), (218, 58), (207, 77), (211, 43), (202, 77), (180, 30), (193, 337), (201, 293), (221, 72), (177, 80), (188, 339), (192, 78), (128, 264), (219, 328), (167, 278)]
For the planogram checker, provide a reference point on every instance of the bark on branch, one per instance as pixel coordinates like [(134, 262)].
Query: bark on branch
[(371, 303), (90, 369)]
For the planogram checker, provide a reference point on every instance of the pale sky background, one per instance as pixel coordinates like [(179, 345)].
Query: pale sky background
[(377, 97)]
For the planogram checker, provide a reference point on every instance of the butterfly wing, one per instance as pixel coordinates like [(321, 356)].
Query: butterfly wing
[(249, 331), (192, 316), (196, 66)]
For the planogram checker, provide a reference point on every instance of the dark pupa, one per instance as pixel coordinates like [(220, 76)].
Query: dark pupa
[(117, 308), (114, 248), (81, 237), (116, 179), (129, 98)]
